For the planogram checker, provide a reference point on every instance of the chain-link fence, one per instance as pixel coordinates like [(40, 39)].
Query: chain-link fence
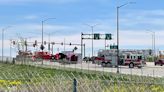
[(50, 77)]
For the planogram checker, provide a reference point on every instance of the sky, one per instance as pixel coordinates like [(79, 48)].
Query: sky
[(137, 21)]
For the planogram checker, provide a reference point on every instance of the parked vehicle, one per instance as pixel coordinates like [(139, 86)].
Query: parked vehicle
[(23, 55), (128, 58), (159, 62), (86, 59), (42, 55), (67, 57)]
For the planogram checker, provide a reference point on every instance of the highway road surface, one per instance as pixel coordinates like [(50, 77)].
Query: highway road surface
[(148, 70)]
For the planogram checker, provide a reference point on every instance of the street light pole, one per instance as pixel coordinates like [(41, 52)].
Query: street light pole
[(118, 7), (42, 34), (3, 41), (117, 39), (92, 40), (92, 26), (153, 44)]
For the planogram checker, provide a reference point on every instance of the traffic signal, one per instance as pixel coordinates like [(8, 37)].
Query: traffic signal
[(42, 47), (13, 42), (108, 36), (35, 42), (25, 43), (48, 46), (150, 52), (70, 44), (62, 43), (75, 48), (34, 45), (96, 36), (44, 42)]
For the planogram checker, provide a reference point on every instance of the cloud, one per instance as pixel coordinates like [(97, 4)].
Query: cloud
[(143, 17)]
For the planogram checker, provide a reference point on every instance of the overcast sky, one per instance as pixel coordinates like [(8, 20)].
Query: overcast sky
[(25, 17)]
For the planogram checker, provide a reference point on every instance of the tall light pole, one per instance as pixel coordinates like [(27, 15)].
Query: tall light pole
[(49, 38), (42, 34), (153, 43), (3, 39), (118, 7), (92, 26), (11, 40)]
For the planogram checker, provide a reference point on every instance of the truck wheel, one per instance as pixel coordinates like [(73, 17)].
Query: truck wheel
[(109, 64), (131, 65), (155, 64), (52, 57), (93, 62), (103, 64), (139, 66)]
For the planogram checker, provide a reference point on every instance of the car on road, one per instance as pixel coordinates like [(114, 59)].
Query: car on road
[(86, 59), (159, 62)]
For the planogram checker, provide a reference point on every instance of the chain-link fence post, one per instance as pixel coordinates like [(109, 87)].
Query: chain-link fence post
[(74, 85)]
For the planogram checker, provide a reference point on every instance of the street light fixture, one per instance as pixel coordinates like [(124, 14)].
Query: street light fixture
[(118, 7), (92, 26), (3, 40), (42, 47)]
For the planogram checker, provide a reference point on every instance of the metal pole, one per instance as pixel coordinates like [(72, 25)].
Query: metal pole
[(118, 33), (81, 50), (26, 45), (42, 35), (152, 43), (64, 44), (74, 85), (49, 42), (84, 50), (52, 49), (105, 44), (10, 52), (81, 46), (117, 39), (92, 34), (92, 40), (42, 42), (2, 42), (154, 48)]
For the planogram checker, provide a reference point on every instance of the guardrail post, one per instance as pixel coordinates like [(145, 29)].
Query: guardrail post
[(74, 85)]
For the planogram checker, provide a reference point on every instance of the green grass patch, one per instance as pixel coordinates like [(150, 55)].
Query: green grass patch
[(32, 76)]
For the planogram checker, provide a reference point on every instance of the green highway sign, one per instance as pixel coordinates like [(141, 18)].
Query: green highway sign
[(96, 36), (113, 47), (108, 36)]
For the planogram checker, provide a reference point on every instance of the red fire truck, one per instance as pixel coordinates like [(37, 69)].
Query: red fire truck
[(126, 58), (42, 55)]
